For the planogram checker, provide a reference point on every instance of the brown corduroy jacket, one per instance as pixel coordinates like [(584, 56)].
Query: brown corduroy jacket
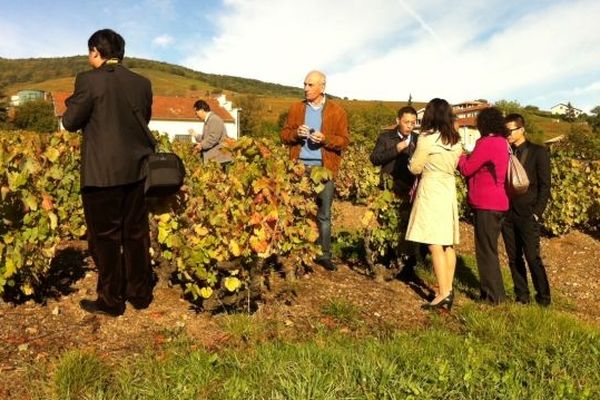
[(334, 127)]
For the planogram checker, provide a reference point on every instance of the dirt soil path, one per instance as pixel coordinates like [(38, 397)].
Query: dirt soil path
[(34, 332)]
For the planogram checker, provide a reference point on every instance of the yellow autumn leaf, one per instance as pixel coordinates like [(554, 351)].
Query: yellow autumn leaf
[(232, 283), (367, 218), (49, 252), (234, 248), (31, 202), (53, 220), (206, 292), (52, 154), (27, 289), (162, 234), (164, 218), (9, 268), (200, 230)]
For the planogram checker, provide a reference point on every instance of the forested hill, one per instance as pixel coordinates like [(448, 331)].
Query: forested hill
[(34, 70)]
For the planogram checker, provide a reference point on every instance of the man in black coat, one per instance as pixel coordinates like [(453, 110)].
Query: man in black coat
[(392, 152), (521, 228), (112, 178)]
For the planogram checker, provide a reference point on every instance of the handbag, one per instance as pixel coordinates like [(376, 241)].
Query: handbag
[(164, 174), (164, 171), (517, 181)]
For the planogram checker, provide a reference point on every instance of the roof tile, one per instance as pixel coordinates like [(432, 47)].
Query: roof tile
[(163, 107)]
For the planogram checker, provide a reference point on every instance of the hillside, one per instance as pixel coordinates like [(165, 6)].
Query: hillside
[(57, 74), (17, 72)]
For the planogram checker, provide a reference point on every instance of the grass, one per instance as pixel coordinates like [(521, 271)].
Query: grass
[(342, 312), (506, 352), (163, 83)]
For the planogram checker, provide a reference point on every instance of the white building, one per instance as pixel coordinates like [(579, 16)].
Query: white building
[(23, 96), (466, 120), (562, 109), (174, 116)]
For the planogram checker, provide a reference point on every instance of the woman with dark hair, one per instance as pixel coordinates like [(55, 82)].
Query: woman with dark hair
[(485, 169), (434, 215)]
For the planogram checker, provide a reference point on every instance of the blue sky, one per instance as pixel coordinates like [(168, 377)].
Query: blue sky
[(538, 52)]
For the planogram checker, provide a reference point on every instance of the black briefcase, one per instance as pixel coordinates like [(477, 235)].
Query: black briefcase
[(164, 174)]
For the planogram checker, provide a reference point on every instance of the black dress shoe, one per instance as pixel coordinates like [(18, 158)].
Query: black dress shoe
[(100, 308), (326, 263), (140, 304)]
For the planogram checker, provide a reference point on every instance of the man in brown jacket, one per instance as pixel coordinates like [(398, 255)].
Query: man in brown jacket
[(316, 131)]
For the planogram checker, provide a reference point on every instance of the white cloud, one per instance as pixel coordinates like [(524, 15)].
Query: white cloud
[(388, 48), (537, 52), (281, 40), (163, 40)]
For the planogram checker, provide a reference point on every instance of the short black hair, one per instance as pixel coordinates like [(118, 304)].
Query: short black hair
[(201, 105), (108, 43), (406, 110), (490, 121), (516, 118)]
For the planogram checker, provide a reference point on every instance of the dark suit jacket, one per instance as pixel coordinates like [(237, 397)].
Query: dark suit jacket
[(385, 155), (114, 142), (537, 166)]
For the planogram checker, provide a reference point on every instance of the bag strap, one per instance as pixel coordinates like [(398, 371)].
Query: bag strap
[(523, 154), (138, 116)]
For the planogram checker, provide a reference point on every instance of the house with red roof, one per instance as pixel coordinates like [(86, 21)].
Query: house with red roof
[(466, 120), (174, 115)]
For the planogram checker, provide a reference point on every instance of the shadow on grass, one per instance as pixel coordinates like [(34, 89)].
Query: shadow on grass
[(416, 284), (465, 278)]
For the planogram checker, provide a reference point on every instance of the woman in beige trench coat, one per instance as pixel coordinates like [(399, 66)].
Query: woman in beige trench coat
[(434, 215)]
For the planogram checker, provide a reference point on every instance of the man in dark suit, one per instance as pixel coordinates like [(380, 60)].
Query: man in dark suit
[(392, 152), (112, 178), (210, 142), (521, 228)]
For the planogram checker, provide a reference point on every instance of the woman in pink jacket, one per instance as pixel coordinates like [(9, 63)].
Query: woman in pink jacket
[(485, 169)]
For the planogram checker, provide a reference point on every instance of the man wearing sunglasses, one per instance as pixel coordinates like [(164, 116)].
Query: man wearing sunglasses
[(521, 228)]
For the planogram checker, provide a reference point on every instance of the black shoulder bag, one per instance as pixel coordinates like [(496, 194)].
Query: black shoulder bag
[(164, 171)]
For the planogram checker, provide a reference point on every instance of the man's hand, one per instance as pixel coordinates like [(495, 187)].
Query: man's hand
[(317, 137), (303, 131), (401, 146), (198, 147)]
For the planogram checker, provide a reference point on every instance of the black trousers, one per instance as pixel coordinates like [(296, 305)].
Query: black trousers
[(119, 242), (488, 225), (521, 236)]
